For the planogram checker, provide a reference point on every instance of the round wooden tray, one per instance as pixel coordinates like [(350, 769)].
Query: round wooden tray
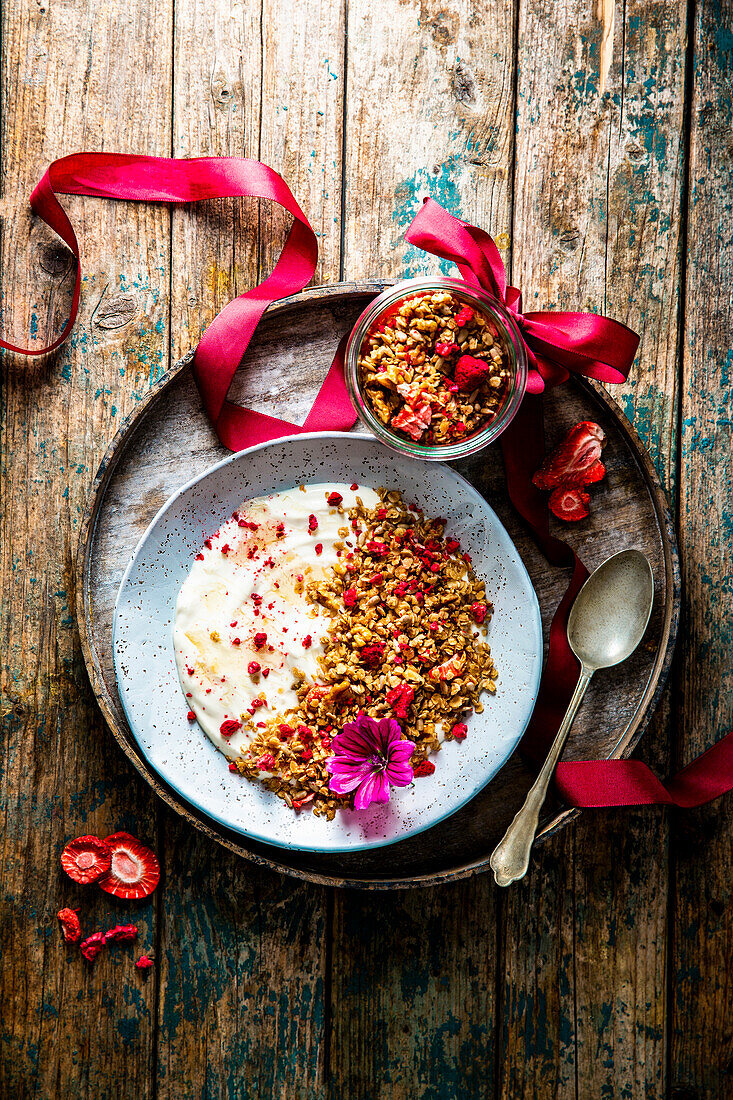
[(167, 440)]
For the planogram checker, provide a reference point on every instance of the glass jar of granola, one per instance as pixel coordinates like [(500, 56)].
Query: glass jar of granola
[(436, 368)]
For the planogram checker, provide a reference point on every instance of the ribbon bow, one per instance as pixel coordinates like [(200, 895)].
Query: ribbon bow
[(557, 342)]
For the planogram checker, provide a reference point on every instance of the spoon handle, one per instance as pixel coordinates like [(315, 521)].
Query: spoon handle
[(510, 859)]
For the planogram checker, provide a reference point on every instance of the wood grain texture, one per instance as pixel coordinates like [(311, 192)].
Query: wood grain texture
[(575, 984), (596, 223), (68, 1029), (702, 959)]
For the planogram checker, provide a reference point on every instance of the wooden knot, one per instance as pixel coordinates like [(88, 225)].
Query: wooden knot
[(463, 85), (569, 239), (54, 259), (221, 91), (444, 28), (115, 312)]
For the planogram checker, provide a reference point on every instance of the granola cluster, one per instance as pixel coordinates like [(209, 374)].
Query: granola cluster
[(406, 641), (434, 369)]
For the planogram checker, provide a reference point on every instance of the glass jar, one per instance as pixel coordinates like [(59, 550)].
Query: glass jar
[(505, 330)]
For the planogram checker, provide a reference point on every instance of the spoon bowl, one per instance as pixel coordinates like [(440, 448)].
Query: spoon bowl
[(611, 613)]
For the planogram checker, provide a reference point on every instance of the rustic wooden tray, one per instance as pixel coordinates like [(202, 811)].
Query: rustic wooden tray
[(167, 440)]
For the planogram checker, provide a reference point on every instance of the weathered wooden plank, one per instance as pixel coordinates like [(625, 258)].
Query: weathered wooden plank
[(702, 959), (69, 1029), (242, 1010), (413, 993), (428, 111), (596, 226)]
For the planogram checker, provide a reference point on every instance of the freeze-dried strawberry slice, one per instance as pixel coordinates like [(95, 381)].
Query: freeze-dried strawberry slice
[(569, 504), (596, 473), (134, 870), (569, 465), (413, 421), (70, 925), (86, 858)]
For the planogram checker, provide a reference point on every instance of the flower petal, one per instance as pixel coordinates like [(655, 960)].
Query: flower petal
[(374, 789), (401, 750), (342, 784), (399, 774)]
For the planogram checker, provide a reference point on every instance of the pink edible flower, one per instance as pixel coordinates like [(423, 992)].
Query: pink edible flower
[(369, 758)]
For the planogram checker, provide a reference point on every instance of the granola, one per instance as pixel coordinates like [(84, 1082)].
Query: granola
[(434, 369), (406, 639)]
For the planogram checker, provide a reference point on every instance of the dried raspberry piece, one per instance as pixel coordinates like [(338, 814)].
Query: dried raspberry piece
[(350, 597), (444, 350), (225, 548), (573, 459), (425, 767), (377, 549), (312, 523), (144, 962), (372, 655), (470, 373), (253, 668), (134, 869), (569, 504), (121, 933), (229, 727), (354, 486), (459, 731), (334, 499), (307, 641), (318, 548), (236, 641), (479, 611), (285, 730), (260, 639), (233, 768), (86, 858), (267, 762), (191, 716), (376, 579), (199, 557), (92, 945), (464, 316), (452, 545), (399, 699), (70, 925)]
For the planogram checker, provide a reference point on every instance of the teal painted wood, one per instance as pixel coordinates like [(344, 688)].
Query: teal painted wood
[(597, 224), (702, 959)]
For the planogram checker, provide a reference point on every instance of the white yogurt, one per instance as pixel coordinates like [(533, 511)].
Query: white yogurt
[(242, 584)]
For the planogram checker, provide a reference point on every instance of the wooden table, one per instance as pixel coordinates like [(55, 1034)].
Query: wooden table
[(599, 155)]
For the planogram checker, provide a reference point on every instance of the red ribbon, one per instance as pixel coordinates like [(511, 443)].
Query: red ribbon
[(220, 351), (557, 344)]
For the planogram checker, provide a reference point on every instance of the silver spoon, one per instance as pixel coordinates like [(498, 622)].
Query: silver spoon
[(605, 625)]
